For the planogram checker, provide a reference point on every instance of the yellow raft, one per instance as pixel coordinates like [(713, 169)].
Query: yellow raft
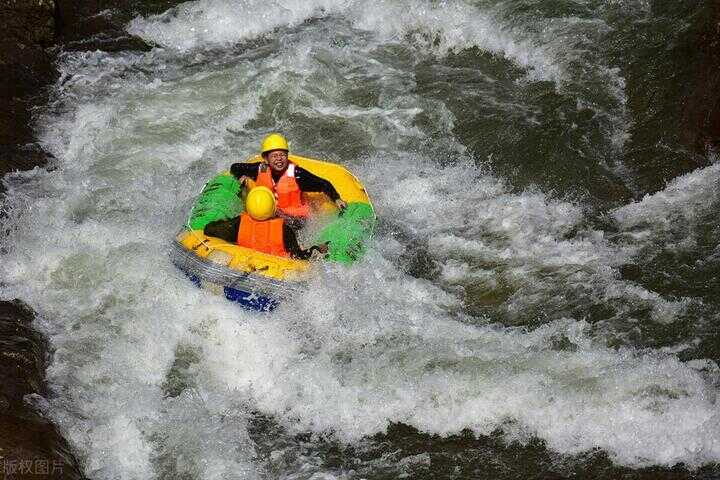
[(244, 273)]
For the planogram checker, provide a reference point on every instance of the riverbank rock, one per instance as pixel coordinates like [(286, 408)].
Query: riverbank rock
[(31, 22), (30, 445), (701, 116), (97, 25), (27, 68)]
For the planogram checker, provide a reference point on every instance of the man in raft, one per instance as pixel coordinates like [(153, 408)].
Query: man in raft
[(285, 179), (259, 228)]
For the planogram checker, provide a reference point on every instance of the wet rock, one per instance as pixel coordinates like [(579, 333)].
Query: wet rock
[(630, 272), (27, 68), (30, 22), (30, 445), (701, 115), (28, 27), (21, 157), (100, 24), (22, 354), (96, 25)]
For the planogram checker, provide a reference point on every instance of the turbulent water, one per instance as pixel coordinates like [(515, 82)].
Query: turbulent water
[(517, 312)]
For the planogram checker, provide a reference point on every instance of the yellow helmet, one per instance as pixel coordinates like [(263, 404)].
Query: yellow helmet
[(260, 203), (274, 141)]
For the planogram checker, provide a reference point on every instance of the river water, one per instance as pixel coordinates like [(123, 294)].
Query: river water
[(540, 299)]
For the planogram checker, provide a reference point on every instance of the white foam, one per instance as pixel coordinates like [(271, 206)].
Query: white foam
[(561, 50), (222, 22), (87, 250), (682, 200), (403, 360), (517, 245), (441, 28), (550, 49)]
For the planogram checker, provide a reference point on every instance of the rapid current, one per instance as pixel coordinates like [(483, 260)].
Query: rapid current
[(533, 300)]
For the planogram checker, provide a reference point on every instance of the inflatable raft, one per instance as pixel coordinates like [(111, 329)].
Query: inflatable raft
[(257, 280)]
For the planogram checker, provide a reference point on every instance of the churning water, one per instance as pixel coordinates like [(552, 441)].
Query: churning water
[(515, 297)]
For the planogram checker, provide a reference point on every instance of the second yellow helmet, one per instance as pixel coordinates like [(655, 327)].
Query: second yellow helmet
[(260, 203), (274, 141)]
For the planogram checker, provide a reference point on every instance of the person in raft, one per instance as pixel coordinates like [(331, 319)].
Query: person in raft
[(261, 229), (285, 179)]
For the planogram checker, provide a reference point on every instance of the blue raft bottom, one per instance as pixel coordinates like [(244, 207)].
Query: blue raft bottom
[(251, 301)]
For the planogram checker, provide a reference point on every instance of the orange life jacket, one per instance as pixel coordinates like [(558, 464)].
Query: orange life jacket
[(287, 192), (264, 236)]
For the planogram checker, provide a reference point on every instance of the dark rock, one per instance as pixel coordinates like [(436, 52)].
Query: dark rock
[(22, 354), (95, 25), (100, 24), (630, 272), (30, 22), (701, 115), (30, 445), (21, 157), (31, 448), (27, 69)]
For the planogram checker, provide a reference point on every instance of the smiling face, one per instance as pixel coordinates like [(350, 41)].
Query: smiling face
[(277, 159)]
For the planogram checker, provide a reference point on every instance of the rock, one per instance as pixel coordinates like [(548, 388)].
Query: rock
[(30, 445), (30, 22), (22, 354), (100, 24), (31, 448), (27, 70), (95, 25), (671, 86), (701, 113), (21, 157)]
